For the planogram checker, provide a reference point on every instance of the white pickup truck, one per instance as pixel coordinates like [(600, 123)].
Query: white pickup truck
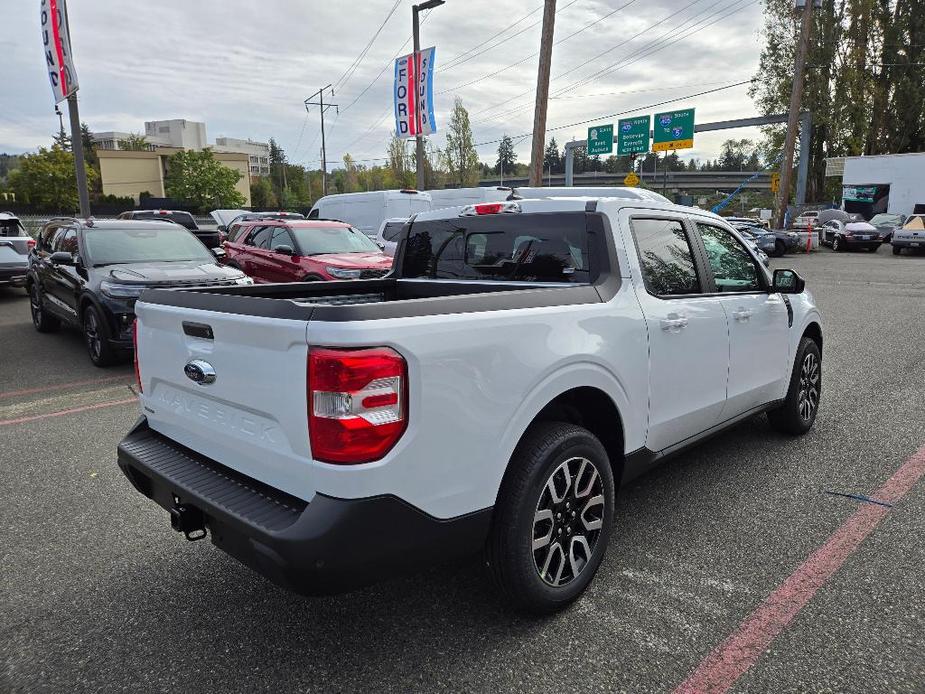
[(522, 360)]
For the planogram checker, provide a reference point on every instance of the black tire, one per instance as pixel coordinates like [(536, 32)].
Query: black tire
[(96, 338), (779, 248), (797, 414), (41, 319), (312, 278), (897, 250), (837, 245), (551, 453)]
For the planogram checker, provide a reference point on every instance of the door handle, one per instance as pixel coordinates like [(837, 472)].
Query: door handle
[(742, 314), (674, 323)]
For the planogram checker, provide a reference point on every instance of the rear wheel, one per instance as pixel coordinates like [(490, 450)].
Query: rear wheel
[(798, 412), (96, 337), (779, 248), (553, 518), (41, 319)]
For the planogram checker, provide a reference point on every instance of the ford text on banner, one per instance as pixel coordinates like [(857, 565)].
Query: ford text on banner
[(406, 93), (56, 42)]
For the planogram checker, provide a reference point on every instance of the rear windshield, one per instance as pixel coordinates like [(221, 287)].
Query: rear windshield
[(11, 227), (551, 247), (110, 246), (323, 240), (184, 219)]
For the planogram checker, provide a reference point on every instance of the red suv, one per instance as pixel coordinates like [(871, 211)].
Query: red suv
[(273, 250)]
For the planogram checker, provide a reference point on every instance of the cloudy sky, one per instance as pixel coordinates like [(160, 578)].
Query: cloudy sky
[(244, 68)]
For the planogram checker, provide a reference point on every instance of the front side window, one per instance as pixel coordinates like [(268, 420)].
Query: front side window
[(260, 237), (392, 230), (280, 238), (734, 269), (66, 241), (666, 257), (173, 244), (320, 240)]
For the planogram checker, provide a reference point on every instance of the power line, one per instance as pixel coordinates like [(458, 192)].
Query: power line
[(533, 55), (451, 61), (343, 79)]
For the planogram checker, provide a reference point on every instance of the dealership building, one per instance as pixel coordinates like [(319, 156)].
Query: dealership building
[(892, 183)]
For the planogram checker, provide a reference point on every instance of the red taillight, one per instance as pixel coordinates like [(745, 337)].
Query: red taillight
[(30, 244), (357, 403), (135, 355)]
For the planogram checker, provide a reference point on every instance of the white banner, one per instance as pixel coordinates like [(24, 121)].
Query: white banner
[(406, 93), (56, 42)]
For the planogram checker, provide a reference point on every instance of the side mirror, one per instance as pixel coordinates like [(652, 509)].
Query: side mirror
[(61, 258), (284, 250), (788, 282), (222, 228), (218, 252)]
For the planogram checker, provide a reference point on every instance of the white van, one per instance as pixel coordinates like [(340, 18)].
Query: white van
[(529, 193), (367, 211), (457, 197)]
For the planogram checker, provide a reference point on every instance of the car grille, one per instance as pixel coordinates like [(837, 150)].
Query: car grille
[(373, 274)]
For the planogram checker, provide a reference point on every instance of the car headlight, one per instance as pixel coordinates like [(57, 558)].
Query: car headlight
[(121, 291), (342, 274), (243, 279)]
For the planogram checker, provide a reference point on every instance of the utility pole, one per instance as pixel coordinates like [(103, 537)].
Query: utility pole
[(77, 147), (796, 96), (322, 107), (418, 138), (542, 94)]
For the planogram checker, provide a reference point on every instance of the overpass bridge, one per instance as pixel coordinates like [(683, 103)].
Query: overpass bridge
[(674, 182)]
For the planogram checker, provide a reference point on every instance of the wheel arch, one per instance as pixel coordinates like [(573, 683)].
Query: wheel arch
[(814, 332)]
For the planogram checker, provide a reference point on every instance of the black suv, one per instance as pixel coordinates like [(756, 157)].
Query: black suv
[(90, 272), (209, 237)]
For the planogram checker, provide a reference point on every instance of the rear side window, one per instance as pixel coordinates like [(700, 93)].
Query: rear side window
[(392, 230), (550, 247), (666, 257)]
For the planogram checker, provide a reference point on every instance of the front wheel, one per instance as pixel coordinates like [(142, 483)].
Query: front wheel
[(779, 248), (798, 412), (897, 250), (96, 337), (553, 518), (837, 244)]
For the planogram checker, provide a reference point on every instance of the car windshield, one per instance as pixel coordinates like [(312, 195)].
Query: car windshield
[(11, 227), (171, 244), (884, 219), (320, 240)]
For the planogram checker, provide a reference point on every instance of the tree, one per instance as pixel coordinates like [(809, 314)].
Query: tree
[(135, 142), (507, 157), (351, 181), (462, 161), (199, 179), (48, 179), (400, 163), (262, 195), (552, 160), (277, 168)]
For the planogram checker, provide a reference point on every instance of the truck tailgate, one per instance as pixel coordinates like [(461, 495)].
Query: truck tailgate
[(253, 417)]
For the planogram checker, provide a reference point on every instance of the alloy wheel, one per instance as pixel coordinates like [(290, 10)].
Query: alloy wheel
[(568, 521), (35, 305), (92, 334), (808, 399)]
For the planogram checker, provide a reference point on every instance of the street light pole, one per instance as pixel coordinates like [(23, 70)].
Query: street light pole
[(418, 138)]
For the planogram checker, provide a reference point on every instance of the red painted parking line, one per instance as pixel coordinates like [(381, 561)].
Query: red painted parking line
[(61, 413), (732, 658), (63, 386)]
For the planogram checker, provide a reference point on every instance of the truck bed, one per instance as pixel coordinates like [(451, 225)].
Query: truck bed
[(379, 298)]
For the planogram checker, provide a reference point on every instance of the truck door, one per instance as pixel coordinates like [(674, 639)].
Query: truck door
[(687, 330), (757, 319)]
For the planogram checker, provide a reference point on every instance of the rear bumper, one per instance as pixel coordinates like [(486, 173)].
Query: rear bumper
[(15, 276), (908, 243), (323, 546)]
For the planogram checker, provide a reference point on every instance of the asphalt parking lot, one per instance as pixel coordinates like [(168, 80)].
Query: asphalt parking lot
[(99, 594)]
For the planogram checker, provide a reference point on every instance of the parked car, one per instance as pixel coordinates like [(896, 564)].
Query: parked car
[(523, 361), (628, 192), (209, 237), (455, 197), (751, 221), (15, 245), (805, 220), (389, 234), (367, 211), (887, 223), (773, 242), (242, 217), (911, 236), (277, 250), (89, 273), (844, 236)]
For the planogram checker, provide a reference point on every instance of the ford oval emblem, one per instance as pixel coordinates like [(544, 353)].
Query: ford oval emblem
[(200, 372)]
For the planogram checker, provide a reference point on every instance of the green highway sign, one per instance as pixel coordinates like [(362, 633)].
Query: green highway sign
[(633, 135), (673, 130), (600, 139)]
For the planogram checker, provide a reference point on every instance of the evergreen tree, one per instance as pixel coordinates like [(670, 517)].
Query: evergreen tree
[(507, 158), (461, 158), (552, 160)]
